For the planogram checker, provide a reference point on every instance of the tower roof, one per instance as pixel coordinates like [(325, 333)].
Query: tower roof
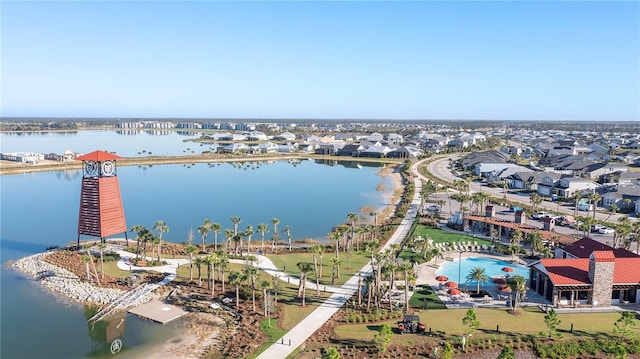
[(98, 156)]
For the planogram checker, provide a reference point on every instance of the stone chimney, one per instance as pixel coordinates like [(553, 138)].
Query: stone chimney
[(549, 224), (490, 211), (521, 217), (601, 267)]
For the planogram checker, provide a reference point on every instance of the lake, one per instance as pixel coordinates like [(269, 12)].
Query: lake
[(41, 209)]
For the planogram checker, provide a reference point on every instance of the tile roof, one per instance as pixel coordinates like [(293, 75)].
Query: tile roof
[(585, 246), (567, 271), (98, 156), (603, 256)]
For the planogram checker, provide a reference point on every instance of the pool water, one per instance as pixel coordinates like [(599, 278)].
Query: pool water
[(457, 270)]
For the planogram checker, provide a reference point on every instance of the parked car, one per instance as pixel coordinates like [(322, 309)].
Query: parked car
[(596, 227), (515, 209), (540, 214), (606, 230), (576, 224)]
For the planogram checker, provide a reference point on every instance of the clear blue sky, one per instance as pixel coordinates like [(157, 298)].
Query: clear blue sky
[(366, 60)]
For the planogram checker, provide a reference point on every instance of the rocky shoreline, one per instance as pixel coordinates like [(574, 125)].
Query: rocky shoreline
[(66, 283)]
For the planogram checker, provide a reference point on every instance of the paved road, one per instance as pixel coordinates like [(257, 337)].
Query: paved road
[(296, 336)]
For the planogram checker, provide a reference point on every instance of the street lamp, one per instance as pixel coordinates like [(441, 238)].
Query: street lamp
[(459, 267)]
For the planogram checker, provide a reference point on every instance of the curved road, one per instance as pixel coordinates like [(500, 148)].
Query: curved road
[(439, 168)]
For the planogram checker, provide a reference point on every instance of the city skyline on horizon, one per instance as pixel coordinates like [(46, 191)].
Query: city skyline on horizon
[(362, 61)]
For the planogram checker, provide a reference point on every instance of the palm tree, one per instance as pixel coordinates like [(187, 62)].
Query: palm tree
[(250, 274), (518, 288), (262, 228), (191, 250), (478, 275), (576, 196), (228, 234), (138, 228), (287, 230), (215, 228), (536, 242), (305, 268), (335, 235), (204, 230), (613, 209), (248, 233), (407, 272), (235, 279), (275, 237), (516, 238), (102, 246), (198, 262), (236, 221), (85, 259), (335, 273), (318, 250), (223, 265), (264, 286), (161, 227), (352, 217), (594, 198)]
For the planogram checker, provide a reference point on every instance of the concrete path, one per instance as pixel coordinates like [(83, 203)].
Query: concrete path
[(301, 332)]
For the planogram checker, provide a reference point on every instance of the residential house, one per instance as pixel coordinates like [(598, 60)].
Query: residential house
[(351, 150), (234, 148), (285, 136), (375, 137), (623, 196), (548, 184), (566, 186), (394, 138), (597, 170), (526, 180)]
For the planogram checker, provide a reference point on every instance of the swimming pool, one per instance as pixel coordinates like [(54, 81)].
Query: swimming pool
[(493, 267)]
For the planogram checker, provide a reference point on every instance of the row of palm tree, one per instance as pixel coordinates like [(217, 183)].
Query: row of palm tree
[(144, 235), (237, 237)]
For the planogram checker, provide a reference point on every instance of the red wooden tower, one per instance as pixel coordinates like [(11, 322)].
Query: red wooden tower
[(101, 211)]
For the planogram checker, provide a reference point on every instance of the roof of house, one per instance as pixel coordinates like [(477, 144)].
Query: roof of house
[(98, 156), (567, 271), (585, 246)]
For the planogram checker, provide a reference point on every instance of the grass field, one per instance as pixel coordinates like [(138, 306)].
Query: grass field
[(440, 236), (447, 324), (349, 266)]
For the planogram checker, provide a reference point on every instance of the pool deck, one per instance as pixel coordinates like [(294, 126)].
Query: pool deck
[(427, 276)]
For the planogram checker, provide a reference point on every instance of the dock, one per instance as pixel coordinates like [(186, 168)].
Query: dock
[(158, 311)]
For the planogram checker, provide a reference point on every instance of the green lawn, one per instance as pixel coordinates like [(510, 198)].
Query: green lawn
[(423, 292), (440, 236), (348, 266), (448, 323)]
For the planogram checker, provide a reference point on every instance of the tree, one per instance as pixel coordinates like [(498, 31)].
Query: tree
[(191, 250), (235, 279), (305, 268), (594, 198), (518, 288), (161, 227), (623, 325), (215, 228), (264, 286), (287, 230), (204, 230), (471, 321), (516, 238), (138, 229), (352, 217), (198, 262), (613, 209), (552, 321), (536, 242), (102, 246), (250, 274), (228, 234), (248, 232), (319, 251), (383, 338), (407, 272), (236, 221), (276, 236), (262, 229), (335, 270), (478, 275)]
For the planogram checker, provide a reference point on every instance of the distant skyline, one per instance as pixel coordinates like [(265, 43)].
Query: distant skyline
[(514, 60)]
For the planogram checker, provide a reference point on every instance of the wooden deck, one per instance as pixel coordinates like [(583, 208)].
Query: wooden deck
[(158, 311)]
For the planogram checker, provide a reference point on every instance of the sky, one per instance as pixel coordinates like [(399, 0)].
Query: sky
[(506, 60)]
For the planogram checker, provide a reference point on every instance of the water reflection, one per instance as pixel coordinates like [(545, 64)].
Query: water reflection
[(107, 335)]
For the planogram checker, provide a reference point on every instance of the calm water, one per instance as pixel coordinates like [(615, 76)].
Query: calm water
[(493, 267), (40, 210)]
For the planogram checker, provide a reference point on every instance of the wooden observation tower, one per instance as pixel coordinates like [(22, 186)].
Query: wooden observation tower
[(101, 210)]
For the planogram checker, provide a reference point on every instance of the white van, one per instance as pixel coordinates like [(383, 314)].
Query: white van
[(584, 206)]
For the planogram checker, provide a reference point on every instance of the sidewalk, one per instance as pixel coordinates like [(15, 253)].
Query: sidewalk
[(284, 346)]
